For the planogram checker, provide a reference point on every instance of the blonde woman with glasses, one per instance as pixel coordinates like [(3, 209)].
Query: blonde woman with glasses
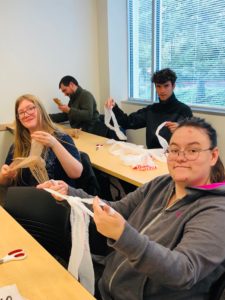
[(59, 151)]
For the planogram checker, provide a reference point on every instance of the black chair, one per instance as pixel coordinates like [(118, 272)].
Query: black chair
[(47, 221), (103, 130), (88, 181), (100, 128), (218, 289)]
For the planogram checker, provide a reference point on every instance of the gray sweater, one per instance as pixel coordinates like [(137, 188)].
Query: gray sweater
[(171, 254)]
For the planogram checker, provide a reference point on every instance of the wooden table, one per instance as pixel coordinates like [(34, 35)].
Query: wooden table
[(39, 276), (103, 160)]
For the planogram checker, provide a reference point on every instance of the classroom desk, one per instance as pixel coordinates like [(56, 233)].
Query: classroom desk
[(101, 159), (39, 276)]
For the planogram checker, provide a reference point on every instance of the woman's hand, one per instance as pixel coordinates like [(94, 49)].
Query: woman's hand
[(44, 138), (108, 222), (110, 103), (56, 185), (7, 172)]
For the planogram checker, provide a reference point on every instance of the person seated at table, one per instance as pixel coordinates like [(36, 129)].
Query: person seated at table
[(168, 109), (60, 153), (81, 111), (168, 235)]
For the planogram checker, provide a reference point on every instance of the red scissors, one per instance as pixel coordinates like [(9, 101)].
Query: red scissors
[(17, 254)]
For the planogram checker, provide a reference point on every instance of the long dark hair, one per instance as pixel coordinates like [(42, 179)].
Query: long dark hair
[(217, 173)]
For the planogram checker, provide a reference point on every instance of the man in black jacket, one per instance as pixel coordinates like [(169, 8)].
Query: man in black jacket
[(168, 109)]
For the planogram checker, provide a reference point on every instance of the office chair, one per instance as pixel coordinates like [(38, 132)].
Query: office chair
[(88, 181), (47, 221), (218, 289)]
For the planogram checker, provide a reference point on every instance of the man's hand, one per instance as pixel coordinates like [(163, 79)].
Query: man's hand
[(171, 126), (64, 108), (110, 103)]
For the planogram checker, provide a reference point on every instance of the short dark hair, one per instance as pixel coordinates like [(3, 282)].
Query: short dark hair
[(163, 76), (217, 171), (67, 79)]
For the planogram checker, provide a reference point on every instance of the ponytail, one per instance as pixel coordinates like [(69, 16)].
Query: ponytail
[(217, 172)]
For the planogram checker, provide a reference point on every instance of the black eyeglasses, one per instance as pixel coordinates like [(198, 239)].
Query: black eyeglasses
[(189, 154), (29, 111)]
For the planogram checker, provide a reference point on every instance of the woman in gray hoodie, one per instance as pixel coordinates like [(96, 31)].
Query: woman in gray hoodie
[(168, 235)]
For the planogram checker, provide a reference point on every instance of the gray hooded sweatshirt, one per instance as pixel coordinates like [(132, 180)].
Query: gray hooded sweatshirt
[(166, 254)]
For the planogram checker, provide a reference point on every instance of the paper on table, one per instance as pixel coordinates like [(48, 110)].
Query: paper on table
[(10, 292)]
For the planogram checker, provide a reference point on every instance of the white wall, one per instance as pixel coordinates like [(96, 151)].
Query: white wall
[(41, 41), (112, 43), (103, 51), (117, 41)]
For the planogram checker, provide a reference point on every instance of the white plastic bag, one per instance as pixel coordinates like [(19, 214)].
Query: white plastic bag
[(132, 155), (80, 262), (162, 141), (137, 156), (109, 114)]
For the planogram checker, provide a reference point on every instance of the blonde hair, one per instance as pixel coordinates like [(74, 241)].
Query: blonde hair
[(22, 140)]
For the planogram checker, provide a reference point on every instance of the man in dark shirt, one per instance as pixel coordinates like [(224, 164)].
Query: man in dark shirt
[(168, 109), (81, 110)]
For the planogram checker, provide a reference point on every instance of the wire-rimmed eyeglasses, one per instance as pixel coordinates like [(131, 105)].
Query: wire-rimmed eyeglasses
[(189, 154), (29, 111)]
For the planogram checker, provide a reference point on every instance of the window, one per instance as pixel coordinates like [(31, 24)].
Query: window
[(186, 36)]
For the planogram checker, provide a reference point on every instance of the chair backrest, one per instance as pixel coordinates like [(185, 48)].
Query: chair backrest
[(218, 289), (47, 221), (100, 128), (88, 181)]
